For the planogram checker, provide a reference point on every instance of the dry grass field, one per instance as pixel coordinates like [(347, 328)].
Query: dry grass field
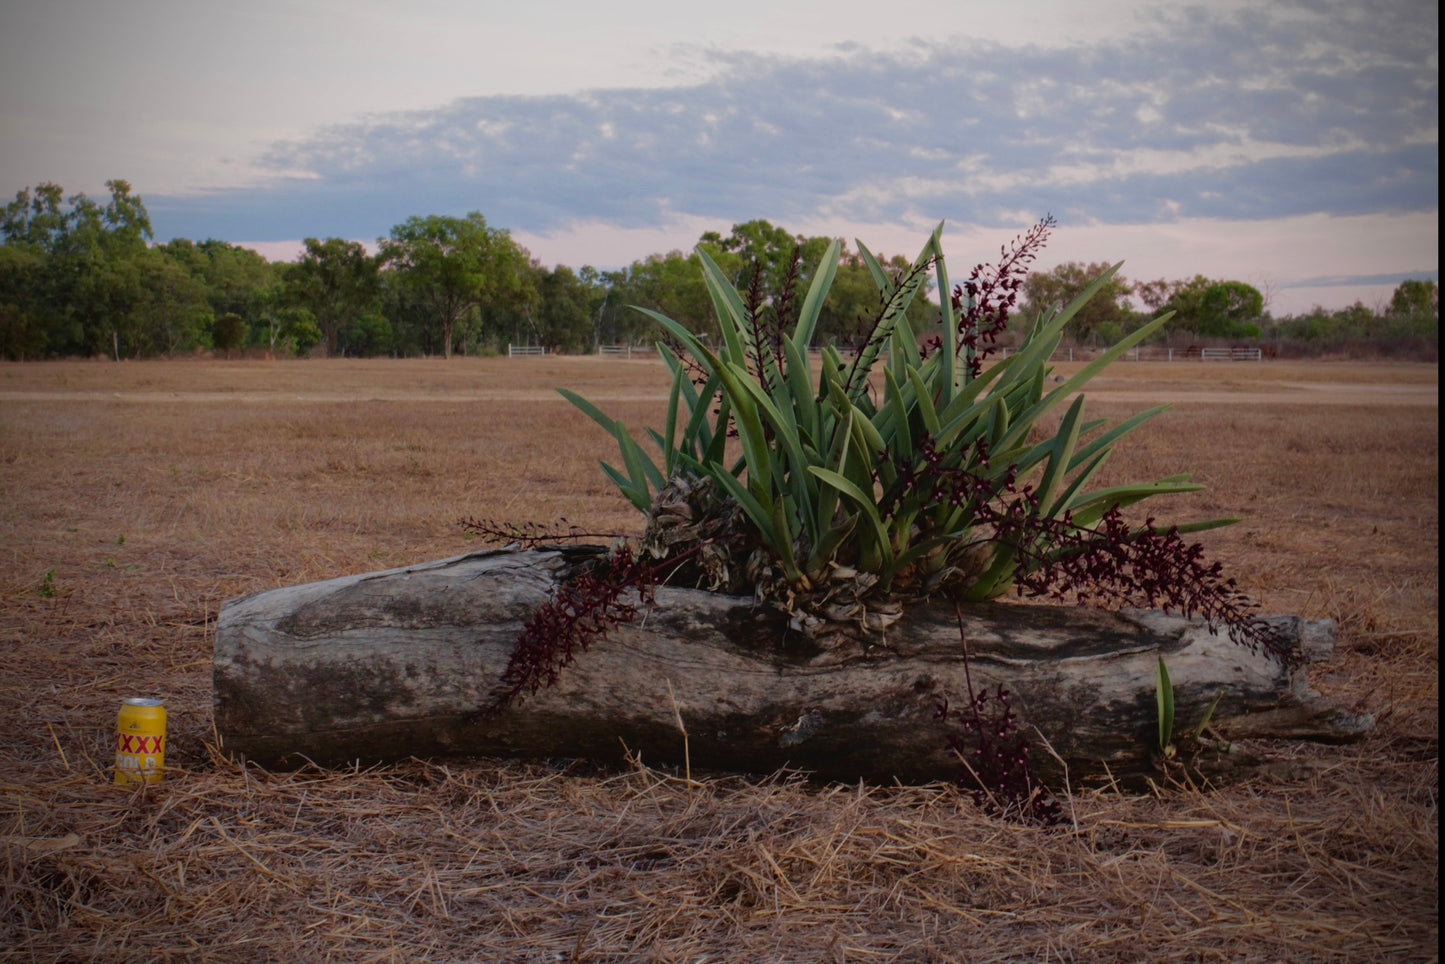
[(138, 497)]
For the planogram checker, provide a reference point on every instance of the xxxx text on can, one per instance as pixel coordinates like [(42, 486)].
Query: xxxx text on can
[(140, 741)]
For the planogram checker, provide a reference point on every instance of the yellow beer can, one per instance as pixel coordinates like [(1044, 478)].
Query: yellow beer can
[(140, 741)]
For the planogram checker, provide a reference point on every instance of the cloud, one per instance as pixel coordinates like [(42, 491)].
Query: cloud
[(1354, 280), (1278, 112)]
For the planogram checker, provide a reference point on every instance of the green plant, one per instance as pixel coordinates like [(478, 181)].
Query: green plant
[(229, 332), (1164, 697), (1164, 700), (910, 469), (47, 585)]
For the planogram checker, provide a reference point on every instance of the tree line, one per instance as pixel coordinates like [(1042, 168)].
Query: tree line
[(1209, 310), (82, 277)]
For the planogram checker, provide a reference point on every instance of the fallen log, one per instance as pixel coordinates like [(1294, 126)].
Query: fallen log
[(396, 664)]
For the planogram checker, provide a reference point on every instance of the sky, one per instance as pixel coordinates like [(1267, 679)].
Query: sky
[(1291, 144)]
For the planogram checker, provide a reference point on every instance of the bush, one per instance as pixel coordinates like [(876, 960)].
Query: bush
[(908, 471), (229, 332)]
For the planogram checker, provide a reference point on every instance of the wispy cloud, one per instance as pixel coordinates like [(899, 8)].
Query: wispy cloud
[(1357, 280), (1289, 110)]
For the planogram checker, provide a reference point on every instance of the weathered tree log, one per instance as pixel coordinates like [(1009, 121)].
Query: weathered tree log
[(396, 664)]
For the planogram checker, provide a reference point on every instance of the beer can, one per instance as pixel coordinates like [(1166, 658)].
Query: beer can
[(140, 741)]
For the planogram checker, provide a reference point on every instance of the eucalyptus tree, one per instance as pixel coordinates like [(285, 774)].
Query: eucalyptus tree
[(1104, 318), (773, 264), (564, 312), (1416, 300), (238, 282), (668, 283), (36, 289), (1206, 307), (598, 285), (616, 318), (77, 272), (36, 220), (1231, 309), (31, 227), (22, 320), (173, 312), (336, 281), (762, 254), (458, 266)]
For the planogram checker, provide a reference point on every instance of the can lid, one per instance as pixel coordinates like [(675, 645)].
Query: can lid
[(142, 701)]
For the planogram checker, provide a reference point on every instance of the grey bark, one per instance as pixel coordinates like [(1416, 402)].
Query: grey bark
[(394, 664)]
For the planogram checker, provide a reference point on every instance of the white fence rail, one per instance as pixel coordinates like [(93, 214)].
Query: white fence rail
[(1195, 353), (1231, 354), (627, 351), (515, 350)]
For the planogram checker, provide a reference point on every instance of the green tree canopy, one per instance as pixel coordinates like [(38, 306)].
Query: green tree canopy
[(670, 284), (457, 266), (335, 280), (1231, 309), (84, 289), (173, 312), (565, 310), (1104, 318), (238, 281), (1415, 299), (36, 219), (759, 252), (1206, 307), (22, 319)]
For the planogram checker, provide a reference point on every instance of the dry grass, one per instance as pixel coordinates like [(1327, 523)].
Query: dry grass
[(155, 491)]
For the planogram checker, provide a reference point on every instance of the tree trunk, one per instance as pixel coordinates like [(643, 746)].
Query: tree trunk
[(395, 664)]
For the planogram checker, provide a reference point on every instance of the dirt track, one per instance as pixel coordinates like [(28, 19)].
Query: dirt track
[(607, 380)]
